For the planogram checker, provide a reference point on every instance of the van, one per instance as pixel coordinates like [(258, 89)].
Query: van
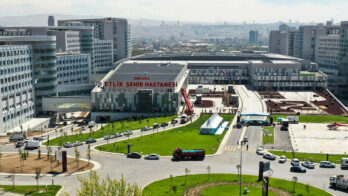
[(32, 145), (91, 124), (344, 163)]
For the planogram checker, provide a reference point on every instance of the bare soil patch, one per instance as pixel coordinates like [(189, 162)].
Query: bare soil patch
[(11, 162)]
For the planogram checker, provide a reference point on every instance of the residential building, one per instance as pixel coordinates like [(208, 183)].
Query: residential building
[(115, 29), (17, 90)]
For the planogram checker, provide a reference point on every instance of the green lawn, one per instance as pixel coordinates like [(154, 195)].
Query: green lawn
[(317, 119), (306, 156), (164, 187), (31, 190), (119, 127), (163, 143), (270, 138), (233, 190)]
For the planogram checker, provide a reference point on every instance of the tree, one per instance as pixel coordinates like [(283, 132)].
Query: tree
[(307, 188), (89, 152), (208, 170), (52, 160), (37, 176), (174, 188), (187, 172), (94, 185), (48, 140), (12, 177), (49, 151), (39, 154), (77, 156), (295, 179)]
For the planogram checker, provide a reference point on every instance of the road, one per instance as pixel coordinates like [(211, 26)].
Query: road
[(144, 172)]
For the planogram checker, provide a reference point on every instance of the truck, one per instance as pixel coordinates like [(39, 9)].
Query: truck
[(344, 163), (196, 154), (338, 181), (32, 145)]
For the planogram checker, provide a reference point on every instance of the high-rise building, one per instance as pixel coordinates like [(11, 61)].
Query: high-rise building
[(115, 29), (17, 92), (51, 21), (253, 37), (44, 63)]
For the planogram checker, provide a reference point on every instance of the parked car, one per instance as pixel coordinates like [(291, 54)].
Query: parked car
[(77, 143), (118, 135), (174, 121), (90, 140), (152, 156), (308, 165), (38, 138), (127, 133), (155, 126), (107, 137), (284, 128), (164, 124), (146, 128), (295, 162), (43, 137), (134, 155), (282, 159), (68, 145), (298, 169), (32, 145), (238, 126), (26, 140), (91, 124), (84, 128), (259, 151), (269, 156), (19, 144), (327, 164)]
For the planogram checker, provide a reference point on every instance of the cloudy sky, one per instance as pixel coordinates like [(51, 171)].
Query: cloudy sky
[(187, 10)]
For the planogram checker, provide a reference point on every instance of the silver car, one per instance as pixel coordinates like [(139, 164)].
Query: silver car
[(68, 145), (308, 165), (152, 156), (282, 159)]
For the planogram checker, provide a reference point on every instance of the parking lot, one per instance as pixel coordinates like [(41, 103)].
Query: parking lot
[(317, 138)]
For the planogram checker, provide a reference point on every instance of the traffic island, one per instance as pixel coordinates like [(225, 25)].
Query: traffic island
[(13, 163), (214, 184)]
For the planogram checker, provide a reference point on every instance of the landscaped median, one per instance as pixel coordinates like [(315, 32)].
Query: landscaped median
[(316, 157), (163, 143), (317, 118), (268, 138), (226, 183), (51, 190), (111, 128)]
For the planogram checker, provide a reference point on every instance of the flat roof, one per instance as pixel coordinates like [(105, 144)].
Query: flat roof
[(27, 38)]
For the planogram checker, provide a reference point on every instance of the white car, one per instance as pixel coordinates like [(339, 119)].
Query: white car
[(282, 159), (295, 162), (152, 157), (260, 151), (327, 164)]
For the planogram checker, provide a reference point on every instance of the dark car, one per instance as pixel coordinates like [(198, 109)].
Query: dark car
[(118, 135), (155, 126), (174, 122), (298, 169), (164, 124), (19, 144), (134, 155), (90, 140), (269, 156), (284, 128)]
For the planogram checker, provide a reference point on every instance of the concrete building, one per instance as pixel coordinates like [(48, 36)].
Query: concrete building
[(253, 37), (51, 21), (44, 63), (115, 29), (103, 58), (17, 90), (139, 88)]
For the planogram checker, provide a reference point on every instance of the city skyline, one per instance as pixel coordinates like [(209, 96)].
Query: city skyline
[(190, 11)]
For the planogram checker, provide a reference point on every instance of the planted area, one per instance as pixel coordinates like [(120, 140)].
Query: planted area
[(268, 137), (180, 185), (233, 190), (316, 157), (52, 190), (111, 128), (164, 143), (317, 119)]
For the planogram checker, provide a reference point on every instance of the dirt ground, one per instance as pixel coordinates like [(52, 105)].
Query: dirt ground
[(11, 161)]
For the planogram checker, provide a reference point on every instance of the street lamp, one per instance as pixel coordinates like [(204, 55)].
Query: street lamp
[(242, 143)]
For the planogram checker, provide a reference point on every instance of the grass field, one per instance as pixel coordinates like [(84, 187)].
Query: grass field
[(164, 187), (163, 143), (270, 138), (31, 190), (306, 156), (233, 190), (111, 128), (317, 119)]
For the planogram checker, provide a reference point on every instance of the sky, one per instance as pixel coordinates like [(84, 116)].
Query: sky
[(260, 11)]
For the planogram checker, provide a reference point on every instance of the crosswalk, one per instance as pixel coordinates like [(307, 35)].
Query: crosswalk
[(234, 148)]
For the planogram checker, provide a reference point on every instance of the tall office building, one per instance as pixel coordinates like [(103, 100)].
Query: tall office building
[(17, 92), (51, 21), (115, 29), (253, 37)]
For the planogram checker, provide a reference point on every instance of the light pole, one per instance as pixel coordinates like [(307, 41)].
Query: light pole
[(242, 143)]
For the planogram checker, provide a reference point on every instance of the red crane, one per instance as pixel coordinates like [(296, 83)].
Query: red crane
[(189, 110)]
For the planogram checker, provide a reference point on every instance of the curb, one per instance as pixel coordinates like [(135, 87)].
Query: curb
[(96, 164)]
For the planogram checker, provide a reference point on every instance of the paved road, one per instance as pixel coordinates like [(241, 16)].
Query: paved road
[(281, 139), (253, 133)]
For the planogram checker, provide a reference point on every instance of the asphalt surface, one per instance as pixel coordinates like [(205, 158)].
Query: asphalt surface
[(254, 135), (281, 139)]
